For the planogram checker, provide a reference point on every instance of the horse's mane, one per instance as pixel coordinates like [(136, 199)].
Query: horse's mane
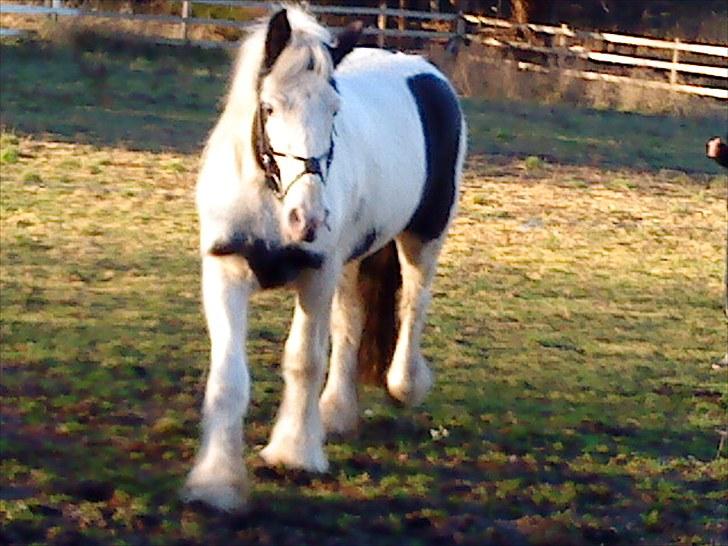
[(306, 51)]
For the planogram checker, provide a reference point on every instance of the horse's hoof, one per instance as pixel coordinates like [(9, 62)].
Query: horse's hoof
[(225, 497), (219, 487), (411, 389), (291, 455)]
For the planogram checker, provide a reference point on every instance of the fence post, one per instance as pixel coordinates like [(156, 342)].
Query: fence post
[(185, 16), (53, 4), (401, 24), (562, 36), (381, 23), (561, 46), (675, 59), (460, 28)]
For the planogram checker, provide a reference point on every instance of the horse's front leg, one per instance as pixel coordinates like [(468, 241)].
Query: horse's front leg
[(338, 404), (219, 477), (298, 435)]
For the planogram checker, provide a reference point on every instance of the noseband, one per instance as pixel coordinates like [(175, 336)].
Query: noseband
[(266, 157)]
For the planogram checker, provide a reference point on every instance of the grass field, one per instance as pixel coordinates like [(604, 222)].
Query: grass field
[(575, 331)]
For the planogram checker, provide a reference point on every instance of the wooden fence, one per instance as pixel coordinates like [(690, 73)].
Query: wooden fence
[(559, 45), (580, 54)]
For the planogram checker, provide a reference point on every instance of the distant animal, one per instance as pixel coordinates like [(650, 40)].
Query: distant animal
[(332, 169), (717, 150)]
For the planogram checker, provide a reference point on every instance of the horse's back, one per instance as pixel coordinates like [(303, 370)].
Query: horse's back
[(422, 124)]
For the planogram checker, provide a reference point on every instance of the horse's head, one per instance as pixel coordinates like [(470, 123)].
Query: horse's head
[(294, 131)]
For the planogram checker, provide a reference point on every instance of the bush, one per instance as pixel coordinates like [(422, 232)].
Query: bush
[(491, 73)]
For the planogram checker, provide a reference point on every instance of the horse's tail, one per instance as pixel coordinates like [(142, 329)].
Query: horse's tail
[(379, 282)]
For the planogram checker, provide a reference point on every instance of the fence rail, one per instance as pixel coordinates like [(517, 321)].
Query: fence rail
[(703, 49), (448, 27), (485, 30)]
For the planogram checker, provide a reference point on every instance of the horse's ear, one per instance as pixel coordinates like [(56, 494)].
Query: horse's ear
[(346, 41), (279, 34)]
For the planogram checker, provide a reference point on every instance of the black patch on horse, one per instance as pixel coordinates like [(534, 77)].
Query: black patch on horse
[(363, 246), (273, 265), (441, 124)]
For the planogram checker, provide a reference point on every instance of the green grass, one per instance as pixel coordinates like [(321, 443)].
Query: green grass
[(156, 98), (592, 137), (575, 325)]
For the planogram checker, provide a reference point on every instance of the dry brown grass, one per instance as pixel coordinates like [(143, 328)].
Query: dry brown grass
[(484, 72), (63, 28)]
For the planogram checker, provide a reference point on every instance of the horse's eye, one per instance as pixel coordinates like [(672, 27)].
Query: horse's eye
[(267, 108)]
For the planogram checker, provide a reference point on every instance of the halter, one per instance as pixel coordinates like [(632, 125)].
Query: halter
[(266, 157)]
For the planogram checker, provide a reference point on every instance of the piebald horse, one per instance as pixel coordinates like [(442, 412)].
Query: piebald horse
[(333, 170)]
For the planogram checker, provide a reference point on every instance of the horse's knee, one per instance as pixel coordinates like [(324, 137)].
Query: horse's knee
[(227, 402)]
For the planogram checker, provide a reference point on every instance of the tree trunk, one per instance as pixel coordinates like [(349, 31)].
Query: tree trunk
[(532, 11), (521, 10)]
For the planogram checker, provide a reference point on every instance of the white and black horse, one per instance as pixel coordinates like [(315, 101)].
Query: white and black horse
[(333, 170)]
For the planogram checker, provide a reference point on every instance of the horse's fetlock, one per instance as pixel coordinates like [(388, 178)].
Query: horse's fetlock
[(339, 412), (410, 384), (302, 451)]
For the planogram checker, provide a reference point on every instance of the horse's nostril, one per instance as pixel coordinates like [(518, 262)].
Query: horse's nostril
[(310, 235), (295, 217), (300, 228)]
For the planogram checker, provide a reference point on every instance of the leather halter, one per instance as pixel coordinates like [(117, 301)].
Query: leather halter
[(266, 157)]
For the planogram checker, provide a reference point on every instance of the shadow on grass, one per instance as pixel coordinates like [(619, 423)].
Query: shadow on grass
[(582, 136), (467, 503), (111, 468), (113, 92)]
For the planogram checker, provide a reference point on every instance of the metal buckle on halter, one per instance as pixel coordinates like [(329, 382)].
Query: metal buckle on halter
[(267, 155), (312, 165)]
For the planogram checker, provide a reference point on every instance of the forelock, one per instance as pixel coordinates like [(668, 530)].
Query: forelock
[(307, 49)]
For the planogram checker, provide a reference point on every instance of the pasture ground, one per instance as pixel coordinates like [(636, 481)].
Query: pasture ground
[(575, 331)]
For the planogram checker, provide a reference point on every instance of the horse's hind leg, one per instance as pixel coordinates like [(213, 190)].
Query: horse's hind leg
[(338, 403), (409, 379)]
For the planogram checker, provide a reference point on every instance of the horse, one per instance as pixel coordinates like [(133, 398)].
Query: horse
[(333, 170), (717, 150)]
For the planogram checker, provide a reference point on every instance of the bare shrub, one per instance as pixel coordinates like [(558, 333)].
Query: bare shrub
[(49, 28), (480, 71), (492, 73)]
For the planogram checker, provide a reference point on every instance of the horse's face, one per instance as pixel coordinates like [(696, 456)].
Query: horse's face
[(294, 129), (298, 120)]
